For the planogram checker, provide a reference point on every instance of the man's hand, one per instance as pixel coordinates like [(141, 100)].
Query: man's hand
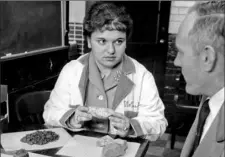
[(121, 123), (81, 115)]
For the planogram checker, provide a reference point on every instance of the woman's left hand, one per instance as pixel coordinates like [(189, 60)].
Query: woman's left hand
[(121, 123)]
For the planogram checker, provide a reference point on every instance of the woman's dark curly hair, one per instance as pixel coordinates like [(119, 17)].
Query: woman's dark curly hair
[(107, 16)]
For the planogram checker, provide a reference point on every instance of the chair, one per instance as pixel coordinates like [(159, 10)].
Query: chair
[(30, 106), (185, 105), (4, 108)]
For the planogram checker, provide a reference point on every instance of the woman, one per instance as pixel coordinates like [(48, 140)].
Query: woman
[(108, 79)]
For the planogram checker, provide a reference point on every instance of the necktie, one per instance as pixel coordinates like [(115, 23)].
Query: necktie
[(203, 114)]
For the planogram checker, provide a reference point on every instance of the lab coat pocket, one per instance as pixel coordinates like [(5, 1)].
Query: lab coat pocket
[(130, 109)]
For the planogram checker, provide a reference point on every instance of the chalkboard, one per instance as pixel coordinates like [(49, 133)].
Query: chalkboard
[(29, 25)]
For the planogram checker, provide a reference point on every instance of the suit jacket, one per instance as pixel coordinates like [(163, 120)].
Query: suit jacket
[(212, 145)]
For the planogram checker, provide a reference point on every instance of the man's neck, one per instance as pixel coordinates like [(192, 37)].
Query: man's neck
[(214, 86)]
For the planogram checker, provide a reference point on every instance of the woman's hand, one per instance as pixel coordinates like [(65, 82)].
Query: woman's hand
[(100, 113), (121, 123), (80, 116)]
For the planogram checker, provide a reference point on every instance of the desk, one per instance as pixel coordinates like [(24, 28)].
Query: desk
[(52, 152)]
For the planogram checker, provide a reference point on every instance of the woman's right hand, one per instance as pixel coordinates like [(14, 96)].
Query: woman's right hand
[(80, 116)]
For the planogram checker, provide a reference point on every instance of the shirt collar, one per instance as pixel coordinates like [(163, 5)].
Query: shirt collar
[(128, 66), (84, 59), (216, 101)]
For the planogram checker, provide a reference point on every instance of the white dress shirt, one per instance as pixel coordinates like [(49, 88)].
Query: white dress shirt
[(215, 103)]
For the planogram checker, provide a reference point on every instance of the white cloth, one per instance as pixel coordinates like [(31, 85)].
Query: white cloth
[(215, 103), (144, 99)]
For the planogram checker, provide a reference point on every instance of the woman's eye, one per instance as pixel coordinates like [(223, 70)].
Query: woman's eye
[(102, 42), (119, 42)]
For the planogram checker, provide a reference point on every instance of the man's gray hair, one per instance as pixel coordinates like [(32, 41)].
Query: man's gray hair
[(208, 28)]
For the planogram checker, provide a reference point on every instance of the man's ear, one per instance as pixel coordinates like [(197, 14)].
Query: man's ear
[(89, 42), (208, 57)]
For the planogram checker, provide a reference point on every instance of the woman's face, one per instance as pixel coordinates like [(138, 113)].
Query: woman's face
[(107, 47)]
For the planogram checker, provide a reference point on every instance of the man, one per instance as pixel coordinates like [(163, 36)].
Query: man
[(200, 41)]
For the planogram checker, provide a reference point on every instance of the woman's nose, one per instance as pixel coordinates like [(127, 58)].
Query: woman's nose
[(111, 48)]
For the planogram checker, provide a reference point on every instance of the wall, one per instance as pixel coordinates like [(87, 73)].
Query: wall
[(177, 14), (76, 11), (76, 16)]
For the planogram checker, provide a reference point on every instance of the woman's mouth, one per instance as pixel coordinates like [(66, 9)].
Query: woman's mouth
[(110, 58)]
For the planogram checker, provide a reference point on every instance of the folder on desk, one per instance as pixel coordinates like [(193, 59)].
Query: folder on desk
[(85, 146)]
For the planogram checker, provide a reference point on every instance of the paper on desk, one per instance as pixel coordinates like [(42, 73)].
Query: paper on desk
[(30, 155), (86, 147), (11, 141)]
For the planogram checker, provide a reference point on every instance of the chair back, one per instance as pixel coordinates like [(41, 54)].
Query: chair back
[(4, 108), (30, 106)]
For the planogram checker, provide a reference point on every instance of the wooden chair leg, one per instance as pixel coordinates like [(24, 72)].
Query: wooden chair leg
[(173, 133), (173, 139)]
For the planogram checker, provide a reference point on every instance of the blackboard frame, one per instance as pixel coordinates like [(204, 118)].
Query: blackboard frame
[(32, 53), (64, 44)]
